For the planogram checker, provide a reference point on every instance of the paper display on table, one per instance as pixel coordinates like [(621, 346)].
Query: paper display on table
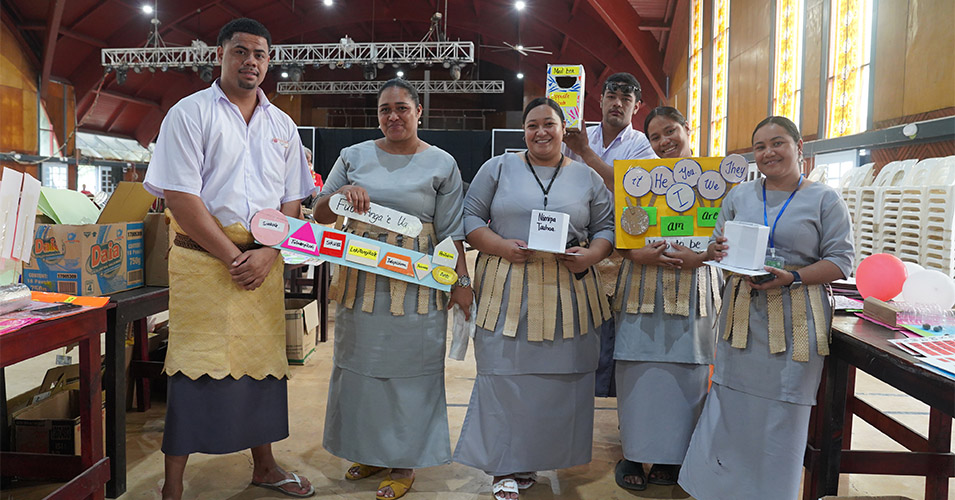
[(10, 187), (338, 247), (936, 351), (26, 220), (377, 215), (671, 197), (747, 245), (548, 231)]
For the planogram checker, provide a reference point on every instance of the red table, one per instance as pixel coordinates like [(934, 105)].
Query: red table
[(86, 474)]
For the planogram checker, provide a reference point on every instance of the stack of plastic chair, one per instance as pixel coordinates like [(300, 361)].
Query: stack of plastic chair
[(851, 186), (938, 217), (870, 221), (902, 213)]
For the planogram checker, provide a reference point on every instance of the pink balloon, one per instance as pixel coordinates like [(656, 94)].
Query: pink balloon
[(881, 276)]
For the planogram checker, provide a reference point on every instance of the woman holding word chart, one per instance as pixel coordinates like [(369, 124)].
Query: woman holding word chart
[(665, 306), (386, 397), (538, 311), (774, 334)]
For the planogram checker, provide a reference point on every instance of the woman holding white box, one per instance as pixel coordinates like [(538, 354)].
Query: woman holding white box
[(536, 344), (751, 438), (663, 347)]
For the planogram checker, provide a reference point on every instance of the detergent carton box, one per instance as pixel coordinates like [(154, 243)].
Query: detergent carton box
[(565, 84), (92, 259)]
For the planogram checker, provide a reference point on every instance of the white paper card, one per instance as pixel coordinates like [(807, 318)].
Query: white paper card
[(9, 201), (445, 254), (548, 231), (26, 220), (377, 215), (747, 245)]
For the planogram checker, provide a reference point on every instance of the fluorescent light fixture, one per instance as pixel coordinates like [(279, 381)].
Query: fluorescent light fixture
[(519, 5), (328, 3), (147, 9)]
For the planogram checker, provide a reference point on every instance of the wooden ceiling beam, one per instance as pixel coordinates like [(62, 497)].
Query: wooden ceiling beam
[(54, 18), (624, 21)]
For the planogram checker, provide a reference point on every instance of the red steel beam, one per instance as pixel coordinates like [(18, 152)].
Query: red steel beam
[(624, 21), (52, 30)]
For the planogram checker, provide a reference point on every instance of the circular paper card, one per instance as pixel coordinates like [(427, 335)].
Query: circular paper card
[(661, 178), (681, 197), (444, 275), (688, 171), (711, 185), (733, 168), (270, 227), (634, 221), (636, 182)]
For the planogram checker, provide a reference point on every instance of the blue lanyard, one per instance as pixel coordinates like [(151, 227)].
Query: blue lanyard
[(781, 210)]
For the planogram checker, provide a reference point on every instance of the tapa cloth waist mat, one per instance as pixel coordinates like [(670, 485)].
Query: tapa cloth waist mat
[(677, 289), (344, 289), (217, 328), (738, 299), (549, 287)]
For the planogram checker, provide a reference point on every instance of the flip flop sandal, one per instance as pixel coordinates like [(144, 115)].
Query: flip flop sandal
[(363, 471), (626, 468), (506, 485), (277, 486), (672, 471), (525, 479), (399, 486)]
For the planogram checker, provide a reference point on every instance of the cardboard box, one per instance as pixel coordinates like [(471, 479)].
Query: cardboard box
[(51, 426), (565, 84), (301, 325), (156, 249), (93, 259)]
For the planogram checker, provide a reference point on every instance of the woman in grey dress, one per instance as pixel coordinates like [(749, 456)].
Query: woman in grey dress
[(536, 344), (664, 347), (386, 397), (751, 438)]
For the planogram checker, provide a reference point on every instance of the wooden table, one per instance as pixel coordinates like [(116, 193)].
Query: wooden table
[(131, 306), (86, 474), (857, 343)]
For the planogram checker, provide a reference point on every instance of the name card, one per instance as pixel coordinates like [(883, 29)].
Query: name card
[(398, 263), (333, 244), (445, 254), (377, 215), (548, 231), (363, 253)]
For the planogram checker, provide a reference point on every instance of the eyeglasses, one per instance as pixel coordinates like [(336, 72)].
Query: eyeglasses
[(625, 88)]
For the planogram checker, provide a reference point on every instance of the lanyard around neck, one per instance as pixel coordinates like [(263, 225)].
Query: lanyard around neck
[(544, 190), (772, 231)]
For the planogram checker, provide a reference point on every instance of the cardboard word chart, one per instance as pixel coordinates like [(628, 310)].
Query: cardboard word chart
[(672, 199), (565, 85), (272, 228)]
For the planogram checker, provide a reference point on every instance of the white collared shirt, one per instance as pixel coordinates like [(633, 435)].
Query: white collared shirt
[(205, 148), (630, 144)]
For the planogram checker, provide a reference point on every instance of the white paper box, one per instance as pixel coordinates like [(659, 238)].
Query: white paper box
[(548, 231), (747, 244)]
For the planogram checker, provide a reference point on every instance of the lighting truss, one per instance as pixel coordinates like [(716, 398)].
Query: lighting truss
[(345, 53), (366, 87)]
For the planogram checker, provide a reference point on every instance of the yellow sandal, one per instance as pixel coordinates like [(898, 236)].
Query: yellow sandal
[(363, 471), (399, 486)]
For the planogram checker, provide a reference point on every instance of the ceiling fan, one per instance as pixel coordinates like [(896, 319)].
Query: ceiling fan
[(519, 48)]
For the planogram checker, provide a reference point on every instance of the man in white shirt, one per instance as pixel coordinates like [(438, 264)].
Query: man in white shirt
[(223, 154), (614, 139)]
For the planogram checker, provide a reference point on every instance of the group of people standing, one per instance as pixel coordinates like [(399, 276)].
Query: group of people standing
[(546, 325)]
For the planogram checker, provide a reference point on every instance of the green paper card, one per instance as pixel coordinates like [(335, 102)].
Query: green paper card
[(652, 214), (706, 216), (678, 225)]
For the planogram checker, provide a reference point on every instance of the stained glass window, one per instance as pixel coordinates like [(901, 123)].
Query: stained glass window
[(695, 70), (847, 100), (721, 42), (787, 76)]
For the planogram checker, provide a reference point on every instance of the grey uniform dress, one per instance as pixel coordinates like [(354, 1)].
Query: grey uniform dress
[(662, 362), (532, 404), (386, 397), (751, 438)]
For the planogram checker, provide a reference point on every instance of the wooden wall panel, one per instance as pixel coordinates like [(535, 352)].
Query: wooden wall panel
[(929, 56), (751, 94), (11, 125), (890, 61), (18, 108), (679, 87), (30, 128), (750, 23), (812, 50)]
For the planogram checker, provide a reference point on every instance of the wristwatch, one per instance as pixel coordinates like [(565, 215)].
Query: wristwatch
[(464, 281), (797, 280)]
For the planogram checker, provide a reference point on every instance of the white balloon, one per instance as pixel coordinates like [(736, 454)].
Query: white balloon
[(929, 287), (910, 269)]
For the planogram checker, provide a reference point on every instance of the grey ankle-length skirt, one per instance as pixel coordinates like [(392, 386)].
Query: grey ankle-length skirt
[(746, 446), (658, 405), (523, 423), (223, 416)]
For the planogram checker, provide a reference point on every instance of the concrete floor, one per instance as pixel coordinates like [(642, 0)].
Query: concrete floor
[(228, 476)]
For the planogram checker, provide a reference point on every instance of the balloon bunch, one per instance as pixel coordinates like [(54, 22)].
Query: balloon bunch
[(886, 277)]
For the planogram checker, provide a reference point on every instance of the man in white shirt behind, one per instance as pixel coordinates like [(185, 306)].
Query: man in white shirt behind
[(613, 139)]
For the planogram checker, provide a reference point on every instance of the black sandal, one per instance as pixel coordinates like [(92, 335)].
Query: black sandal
[(626, 468), (670, 472)]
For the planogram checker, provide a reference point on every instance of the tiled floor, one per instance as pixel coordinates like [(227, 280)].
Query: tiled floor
[(228, 476)]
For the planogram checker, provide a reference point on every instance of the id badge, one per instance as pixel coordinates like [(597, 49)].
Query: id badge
[(773, 260)]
